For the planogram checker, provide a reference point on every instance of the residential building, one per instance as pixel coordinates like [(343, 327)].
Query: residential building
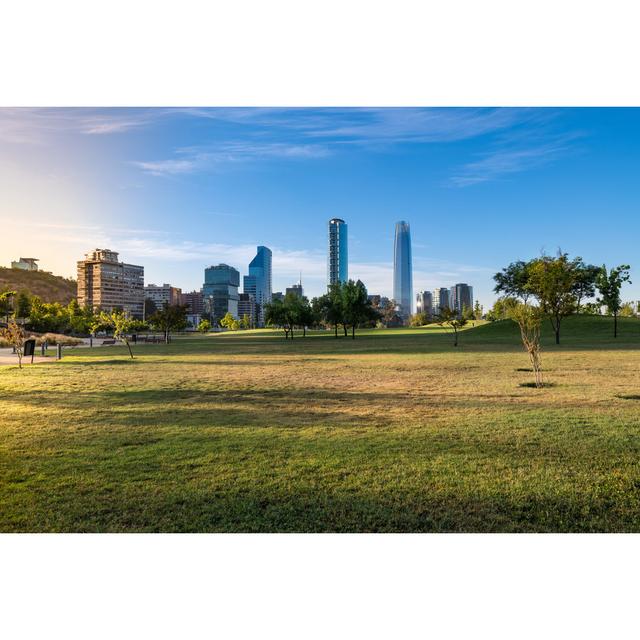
[(277, 295), (247, 306), (193, 301), (338, 259), (424, 302), (107, 284), (220, 291), (163, 295), (403, 270), (440, 300), (26, 264), (295, 289), (258, 283)]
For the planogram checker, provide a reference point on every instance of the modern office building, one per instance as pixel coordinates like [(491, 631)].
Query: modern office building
[(277, 295), (25, 264), (461, 297), (403, 270), (193, 301), (338, 260), (247, 307), (107, 284), (424, 302), (295, 289), (258, 282), (220, 291), (163, 295), (440, 300)]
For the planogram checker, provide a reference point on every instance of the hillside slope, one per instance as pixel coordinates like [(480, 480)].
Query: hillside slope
[(49, 287)]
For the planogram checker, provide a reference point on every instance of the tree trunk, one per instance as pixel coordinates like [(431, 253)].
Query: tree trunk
[(615, 325), (336, 330), (557, 330), (129, 347), (304, 331), (344, 327), (353, 331), (455, 338)]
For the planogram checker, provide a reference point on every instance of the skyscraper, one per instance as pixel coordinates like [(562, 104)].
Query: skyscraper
[(220, 291), (107, 284), (403, 270), (461, 297), (258, 282), (440, 299), (424, 302), (338, 260)]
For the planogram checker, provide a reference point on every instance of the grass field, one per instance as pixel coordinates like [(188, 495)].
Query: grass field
[(393, 431)]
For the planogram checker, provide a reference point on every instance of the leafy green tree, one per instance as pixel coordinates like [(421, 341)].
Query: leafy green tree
[(513, 280), (22, 305), (585, 283), (419, 319), (592, 309), (245, 323), (227, 320), (627, 310), (274, 316), (449, 318), (307, 317), (6, 304), (467, 313), (356, 307), (554, 281), (150, 307), (478, 311), (500, 309), (120, 324), (172, 317), (609, 284), (329, 307), (204, 326)]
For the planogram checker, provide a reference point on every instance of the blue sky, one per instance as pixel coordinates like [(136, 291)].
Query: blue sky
[(179, 189)]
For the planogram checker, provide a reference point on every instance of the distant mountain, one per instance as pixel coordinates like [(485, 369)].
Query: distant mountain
[(38, 283)]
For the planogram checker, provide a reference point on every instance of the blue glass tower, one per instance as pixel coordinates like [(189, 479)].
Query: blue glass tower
[(220, 291), (338, 260), (258, 282), (403, 270)]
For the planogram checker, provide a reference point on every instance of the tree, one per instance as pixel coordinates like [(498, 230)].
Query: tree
[(450, 318), (609, 285), (245, 323), (6, 304), (529, 319), (467, 313), (554, 282), (500, 309), (274, 316), (22, 306), (389, 314), (329, 307), (227, 321), (513, 281), (627, 310), (120, 324), (592, 309), (172, 317), (585, 284), (204, 326), (15, 336), (307, 316), (150, 307), (418, 319), (355, 305), (478, 311)]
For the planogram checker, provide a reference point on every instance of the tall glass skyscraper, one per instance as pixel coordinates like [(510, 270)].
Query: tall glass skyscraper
[(338, 261), (220, 291), (258, 282), (403, 270)]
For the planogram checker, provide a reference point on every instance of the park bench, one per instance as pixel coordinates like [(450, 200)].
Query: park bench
[(108, 342)]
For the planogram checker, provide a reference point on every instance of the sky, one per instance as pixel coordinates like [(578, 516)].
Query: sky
[(179, 189)]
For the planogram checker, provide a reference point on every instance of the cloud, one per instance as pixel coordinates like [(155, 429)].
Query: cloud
[(505, 161)]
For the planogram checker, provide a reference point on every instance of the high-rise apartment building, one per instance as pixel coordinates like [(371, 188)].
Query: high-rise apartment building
[(461, 297), (424, 302), (220, 291), (247, 307), (440, 300), (107, 284), (163, 295), (193, 301), (403, 270), (258, 283), (338, 260)]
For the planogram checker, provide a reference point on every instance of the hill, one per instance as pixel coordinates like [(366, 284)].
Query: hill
[(49, 287)]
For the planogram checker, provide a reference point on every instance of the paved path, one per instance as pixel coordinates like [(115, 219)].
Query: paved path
[(7, 357)]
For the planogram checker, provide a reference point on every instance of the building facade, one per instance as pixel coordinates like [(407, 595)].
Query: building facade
[(25, 264), (424, 302), (193, 301), (461, 297), (107, 284), (247, 307), (403, 270), (295, 289), (440, 300), (163, 295), (220, 291), (259, 283), (338, 259)]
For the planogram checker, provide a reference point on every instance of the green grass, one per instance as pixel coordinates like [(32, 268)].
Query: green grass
[(394, 431)]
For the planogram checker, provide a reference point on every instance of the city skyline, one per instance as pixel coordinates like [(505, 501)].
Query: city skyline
[(180, 189)]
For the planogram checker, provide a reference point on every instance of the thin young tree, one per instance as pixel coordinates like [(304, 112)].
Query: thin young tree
[(609, 284), (529, 319), (120, 324), (449, 318), (14, 334)]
